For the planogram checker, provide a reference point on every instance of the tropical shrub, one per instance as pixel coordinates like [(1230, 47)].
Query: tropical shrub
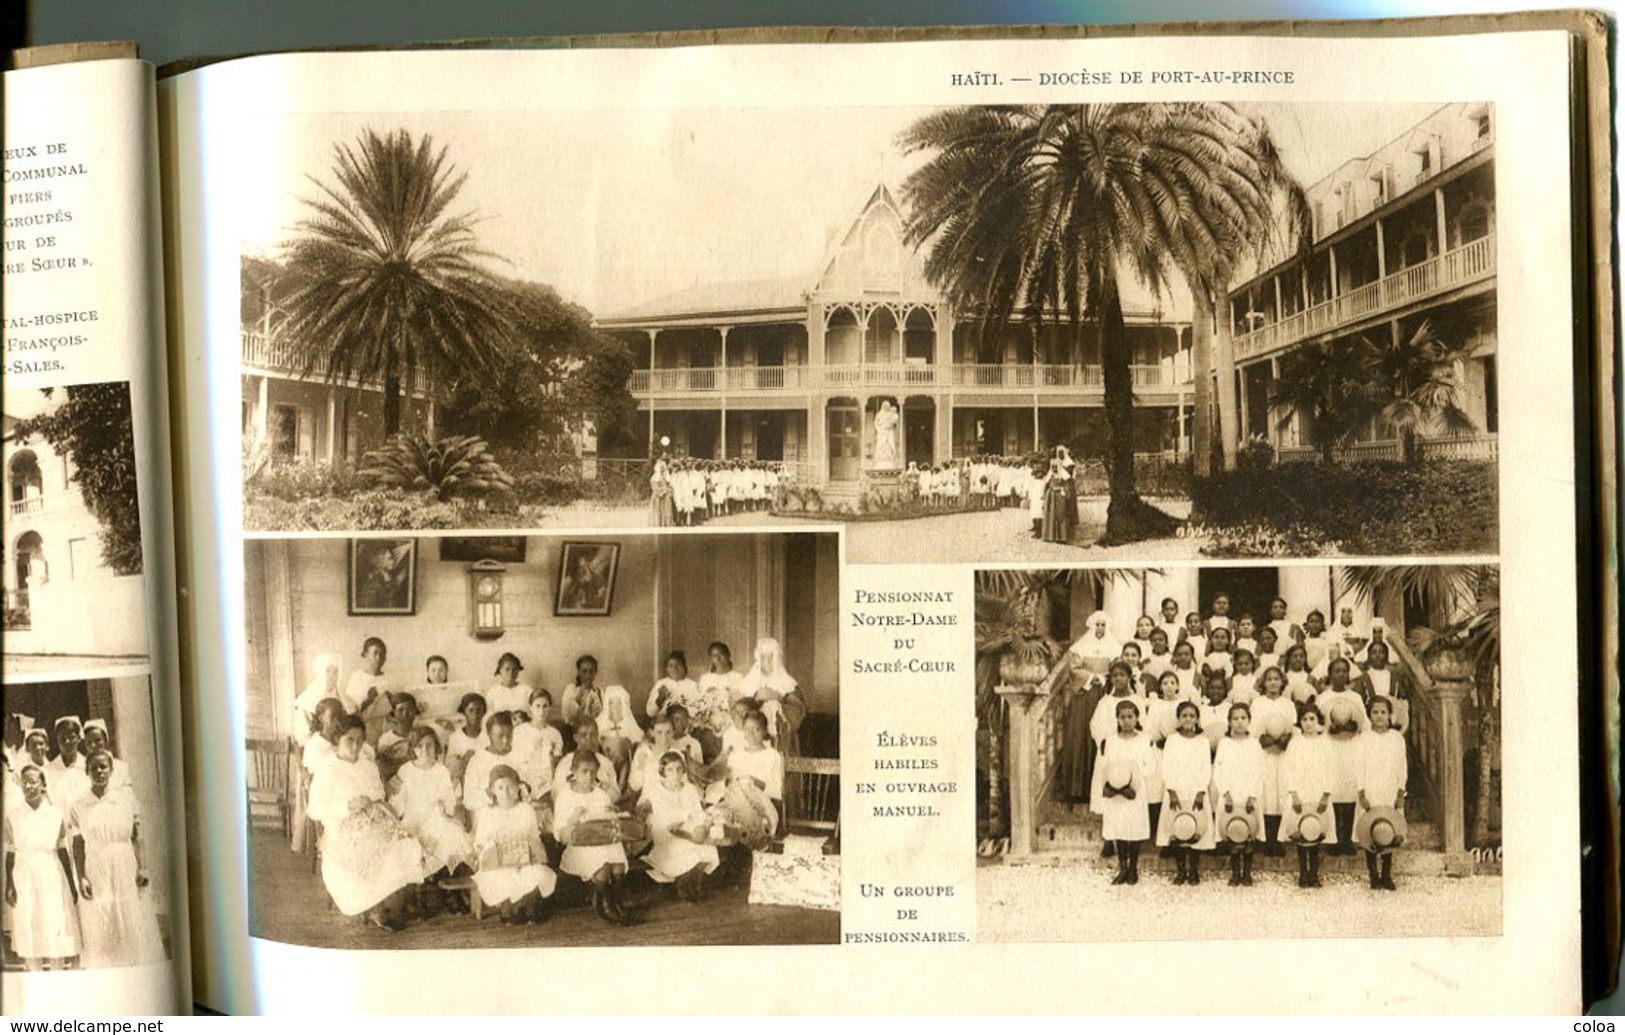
[(455, 467)]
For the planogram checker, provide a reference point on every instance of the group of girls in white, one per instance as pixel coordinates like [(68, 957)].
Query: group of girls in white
[(505, 796), (76, 875), (1227, 742), (688, 491), (981, 482)]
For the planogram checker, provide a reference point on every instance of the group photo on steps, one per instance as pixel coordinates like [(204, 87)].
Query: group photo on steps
[(1195, 744)]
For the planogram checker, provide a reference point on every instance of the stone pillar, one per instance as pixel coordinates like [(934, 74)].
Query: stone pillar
[(722, 385), (1382, 251), (943, 426), (653, 450), (1025, 705), (1452, 674)]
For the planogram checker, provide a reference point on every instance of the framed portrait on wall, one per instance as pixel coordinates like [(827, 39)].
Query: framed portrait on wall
[(383, 576), (586, 579)]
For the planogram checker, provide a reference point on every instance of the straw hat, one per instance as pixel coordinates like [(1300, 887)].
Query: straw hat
[(1186, 827), (1342, 713), (1310, 829), (1380, 829), (1119, 773), (1275, 725), (1239, 827), (1167, 722)]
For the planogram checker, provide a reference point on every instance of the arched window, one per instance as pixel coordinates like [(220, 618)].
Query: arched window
[(25, 482)]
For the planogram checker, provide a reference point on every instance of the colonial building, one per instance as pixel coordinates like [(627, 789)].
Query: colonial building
[(1403, 235), (60, 598), (292, 414), (796, 370)]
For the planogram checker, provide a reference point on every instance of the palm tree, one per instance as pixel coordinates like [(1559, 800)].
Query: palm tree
[(385, 280), (1475, 632), (1416, 383), (1039, 209), (1320, 384)]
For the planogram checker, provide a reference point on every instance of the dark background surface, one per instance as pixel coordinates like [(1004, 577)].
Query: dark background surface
[(172, 30)]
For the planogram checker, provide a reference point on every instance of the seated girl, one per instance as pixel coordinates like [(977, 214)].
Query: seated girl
[(608, 707), (679, 828), (719, 686), (578, 799), (674, 686), (436, 670), (645, 768), (587, 741), (681, 739), (369, 860), (427, 804), (537, 745), (394, 744), (755, 795), (508, 693), (513, 873), (463, 742), (498, 750)]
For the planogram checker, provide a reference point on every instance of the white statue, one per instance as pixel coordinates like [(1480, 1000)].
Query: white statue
[(886, 437)]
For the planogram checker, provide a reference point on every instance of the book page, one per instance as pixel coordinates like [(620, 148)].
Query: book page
[(95, 904), (668, 501)]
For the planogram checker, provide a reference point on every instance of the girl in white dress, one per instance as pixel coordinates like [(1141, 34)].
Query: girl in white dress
[(513, 873), (96, 739), (1195, 634), (366, 685), (672, 687), (1346, 722), (509, 693), (760, 768), (1187, 672), (1125, 767), (1218, 657), (1300, 686), (45, 928), (464, 742), (719, 686), (1244, 680), (1273, 718), (1318, 647), (1382, 777), (1307, 778), (65, 774), (1268, 653), (586, 738), (1286, 631), (369, 860), (1158, 660), (1213, 718), (498, 750), (537, 748), (578, 800), (679, 827), (116, 919), (1246, 633), (426, 801), (1238, 787), (1187, 776)]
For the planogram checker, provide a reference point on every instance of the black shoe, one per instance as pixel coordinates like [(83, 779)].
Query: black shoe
[(600, 905)]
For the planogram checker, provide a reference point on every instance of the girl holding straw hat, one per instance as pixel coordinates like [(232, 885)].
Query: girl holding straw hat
[(1121, 804), (1238, 791), (1380, 825), (1307, 778), (1346, 722), (1273, 718), (1186, 823)]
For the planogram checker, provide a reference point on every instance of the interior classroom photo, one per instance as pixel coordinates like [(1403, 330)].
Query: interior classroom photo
[(594, 621)]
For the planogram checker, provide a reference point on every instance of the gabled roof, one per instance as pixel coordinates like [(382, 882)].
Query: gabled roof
[(719, 298)]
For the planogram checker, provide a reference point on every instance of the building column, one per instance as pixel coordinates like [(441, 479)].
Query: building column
[(1246, 410), (1382, 251), (262, 413), (332, 423), (943, 427), (652, 335), (1438, 220), (429, 418), (817, 440), (1331, 258), (1274, 425), (722, 432)]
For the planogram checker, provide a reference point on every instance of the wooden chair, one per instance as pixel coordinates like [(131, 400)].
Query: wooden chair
[(812, 798), (268, 782)]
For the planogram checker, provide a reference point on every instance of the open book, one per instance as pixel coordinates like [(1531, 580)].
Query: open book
[(974, 507)]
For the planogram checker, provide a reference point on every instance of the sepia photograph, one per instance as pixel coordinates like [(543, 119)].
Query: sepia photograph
[(556, 750), (1302, 751), (383, 576), (887, 334), (74, 594), (84, 817)]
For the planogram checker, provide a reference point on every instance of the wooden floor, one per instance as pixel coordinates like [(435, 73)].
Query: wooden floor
[(287, 903)]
